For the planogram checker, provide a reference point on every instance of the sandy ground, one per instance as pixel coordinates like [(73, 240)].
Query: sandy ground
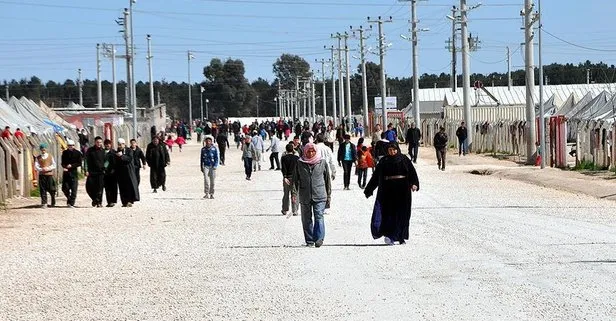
[(481, 248)]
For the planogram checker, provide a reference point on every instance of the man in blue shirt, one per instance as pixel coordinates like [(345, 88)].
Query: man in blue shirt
[(391, 135), (209, 163), (347, 156)]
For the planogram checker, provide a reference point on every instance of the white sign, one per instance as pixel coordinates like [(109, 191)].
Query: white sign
[(390, 103)]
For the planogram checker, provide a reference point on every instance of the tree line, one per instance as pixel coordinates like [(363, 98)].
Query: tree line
[(230, 93)]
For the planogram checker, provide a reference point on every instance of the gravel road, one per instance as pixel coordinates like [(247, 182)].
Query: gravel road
[(481, 248)]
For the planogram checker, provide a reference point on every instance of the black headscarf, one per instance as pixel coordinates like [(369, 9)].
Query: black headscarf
[(392, 159)]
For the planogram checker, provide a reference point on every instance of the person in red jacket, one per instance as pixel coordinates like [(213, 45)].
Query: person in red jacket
[(19, 133), (6, 133)]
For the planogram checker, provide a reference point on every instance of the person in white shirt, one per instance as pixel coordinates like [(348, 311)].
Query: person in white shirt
[(275, 147), (328, 155), (257, 142)]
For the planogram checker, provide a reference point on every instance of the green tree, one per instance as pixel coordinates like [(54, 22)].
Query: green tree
[(288, 67)]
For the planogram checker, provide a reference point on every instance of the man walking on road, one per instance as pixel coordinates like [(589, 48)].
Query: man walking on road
[(95, 171), (289, 166), (157, 157), (111, 178), (125, 170), (347, 156), (311, 183), (139, 159), (413, 136), (45, 165), (223, 143), (248, 154), (71, 160), (462, 134), (275, 147), (440, 144), (209, 163), (257, 142)]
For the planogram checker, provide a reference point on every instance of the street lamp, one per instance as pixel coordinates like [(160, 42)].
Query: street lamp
[(201, 102)]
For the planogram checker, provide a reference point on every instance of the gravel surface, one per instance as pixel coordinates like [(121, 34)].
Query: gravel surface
[(481, 248)]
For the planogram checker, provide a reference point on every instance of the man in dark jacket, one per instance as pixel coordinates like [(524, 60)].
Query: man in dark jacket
[(111, 179), (223, 143), (125, 170), (288, 168), (347, 156), (138, 158), (71, 160), (440, 144), (95, 171), (462, 134), (157, 157), (413, 136)]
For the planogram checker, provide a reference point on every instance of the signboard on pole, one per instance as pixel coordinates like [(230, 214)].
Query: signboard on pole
[(391, 103)]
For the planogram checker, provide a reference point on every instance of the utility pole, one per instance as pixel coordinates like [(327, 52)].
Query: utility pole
[(348, 82), (322, 61), (334, 109), (201, 90), (109, 52), (6, 89), (454, 49), (158, 97), (587, 76), (340, 77), (99, 86), (130, 91), (380, 22), (414, 41), (150, 76), (541, 106), (364, 78), (314, 98), (132, 66), (190, 57), (466, 74), (509, 81), (529, 21), (80, 83)]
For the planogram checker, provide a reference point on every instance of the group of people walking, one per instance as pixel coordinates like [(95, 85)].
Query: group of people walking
[(108, 170)]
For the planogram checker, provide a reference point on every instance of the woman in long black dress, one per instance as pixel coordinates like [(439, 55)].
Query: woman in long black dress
[(396, 179)]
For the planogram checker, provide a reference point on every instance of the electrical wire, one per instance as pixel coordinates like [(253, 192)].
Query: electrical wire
[(576, 45)]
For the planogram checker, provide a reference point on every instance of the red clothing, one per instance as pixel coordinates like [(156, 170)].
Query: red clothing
[(6, 134), (169, 142), (369, 159), (19, 134), (180, 141), (362, 162)]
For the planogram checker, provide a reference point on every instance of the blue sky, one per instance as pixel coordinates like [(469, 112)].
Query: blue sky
[(53, 39)]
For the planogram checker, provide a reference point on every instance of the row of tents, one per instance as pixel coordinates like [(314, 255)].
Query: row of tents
[(31, 117)]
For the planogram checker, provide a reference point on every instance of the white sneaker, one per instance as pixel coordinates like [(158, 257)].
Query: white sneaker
[(388, 241), (206, 196)]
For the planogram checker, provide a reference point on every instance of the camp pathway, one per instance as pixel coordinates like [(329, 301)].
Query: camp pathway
[(481, 248)]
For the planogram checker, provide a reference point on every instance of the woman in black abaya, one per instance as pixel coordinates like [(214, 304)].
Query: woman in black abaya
[(396, 179)]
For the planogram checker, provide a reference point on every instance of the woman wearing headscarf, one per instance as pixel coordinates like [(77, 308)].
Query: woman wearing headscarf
[(311, 182), (396, 179)]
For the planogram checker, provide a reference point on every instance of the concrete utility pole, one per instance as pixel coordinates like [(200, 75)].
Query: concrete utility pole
[(313, 98), (130, 93), (322, 61), (201, 90), (541, 106), (150, 76), (109, 52), (190, 57), (380, 22), (467, 75), (132, 65), (99, 85), (80, 83), (509, 81), (334, 107), (340, 78), (296, 109), (257, 106), (587, 76), (364, 78), (347, 59), (529, 21), (414, 41), (454, 49)]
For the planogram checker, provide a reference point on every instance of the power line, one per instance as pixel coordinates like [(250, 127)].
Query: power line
[(576, 45)]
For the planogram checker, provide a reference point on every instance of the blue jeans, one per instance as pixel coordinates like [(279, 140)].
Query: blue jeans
[(313, 232), (248, 166), (463, 147)]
